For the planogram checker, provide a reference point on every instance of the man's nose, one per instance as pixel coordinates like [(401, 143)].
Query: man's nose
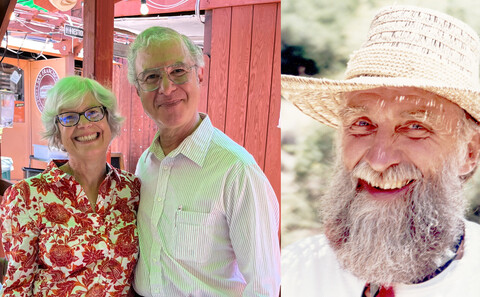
[(166, 86), (383, 152)]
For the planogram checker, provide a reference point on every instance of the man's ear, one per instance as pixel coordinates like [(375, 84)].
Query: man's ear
[(200, 74), (471, 158)]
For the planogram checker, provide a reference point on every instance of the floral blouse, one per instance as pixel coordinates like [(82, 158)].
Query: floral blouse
[(56, 245)]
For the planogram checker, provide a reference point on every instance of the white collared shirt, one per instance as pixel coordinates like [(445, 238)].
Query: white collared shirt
[(207, 221), (310, 268)]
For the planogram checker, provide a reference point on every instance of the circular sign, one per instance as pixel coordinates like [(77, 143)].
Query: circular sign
[(46, 78)]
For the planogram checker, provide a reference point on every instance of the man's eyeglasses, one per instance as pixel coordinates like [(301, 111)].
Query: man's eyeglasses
[(93, 114), (149, 80)]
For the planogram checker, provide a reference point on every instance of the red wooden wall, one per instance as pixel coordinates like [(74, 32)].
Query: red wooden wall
[(241, 92), (138, 129), (243, 88)]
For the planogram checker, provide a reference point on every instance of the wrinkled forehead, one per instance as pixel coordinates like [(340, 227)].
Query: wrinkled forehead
[(400, 102), (162, 53)]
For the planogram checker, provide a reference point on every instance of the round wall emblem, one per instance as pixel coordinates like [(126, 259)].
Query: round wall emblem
[(46, 78)]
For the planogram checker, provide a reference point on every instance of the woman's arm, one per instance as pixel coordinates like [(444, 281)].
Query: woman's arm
[(19, 239)]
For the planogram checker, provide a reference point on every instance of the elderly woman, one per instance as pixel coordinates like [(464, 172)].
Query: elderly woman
[(71, 230)]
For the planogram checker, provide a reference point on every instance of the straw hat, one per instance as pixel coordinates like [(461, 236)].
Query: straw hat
[(407, 46)]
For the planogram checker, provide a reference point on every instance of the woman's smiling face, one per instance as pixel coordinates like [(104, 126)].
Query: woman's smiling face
[(86, 139)]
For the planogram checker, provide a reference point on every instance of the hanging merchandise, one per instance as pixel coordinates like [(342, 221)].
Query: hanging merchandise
[(7, 104), (11, 95)]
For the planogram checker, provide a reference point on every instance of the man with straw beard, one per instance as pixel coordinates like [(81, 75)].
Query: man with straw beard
[(408, 138)]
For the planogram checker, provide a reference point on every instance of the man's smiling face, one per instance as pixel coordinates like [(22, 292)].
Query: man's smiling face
[(395, 209), (390, 127)]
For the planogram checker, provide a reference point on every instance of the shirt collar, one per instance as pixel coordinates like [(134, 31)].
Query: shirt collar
[(57, 174), (113, 173), (194, 147), (54, 172)]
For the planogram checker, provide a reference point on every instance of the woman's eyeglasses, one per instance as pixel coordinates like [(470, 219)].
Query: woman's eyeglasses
[(93, 114)]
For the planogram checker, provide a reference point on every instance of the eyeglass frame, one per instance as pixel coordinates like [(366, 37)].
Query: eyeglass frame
[(104, 113), (137, 79)]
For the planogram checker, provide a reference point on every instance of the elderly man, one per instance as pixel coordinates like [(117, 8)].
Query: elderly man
[(208, 217), (407, 118)]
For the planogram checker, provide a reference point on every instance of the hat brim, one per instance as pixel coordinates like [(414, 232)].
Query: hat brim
[(320, 97)]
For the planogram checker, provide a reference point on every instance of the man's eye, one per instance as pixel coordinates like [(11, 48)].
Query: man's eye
[(362, 127), (415, 130), (416, 126), (362, 123), (151, 77), (178, 72)]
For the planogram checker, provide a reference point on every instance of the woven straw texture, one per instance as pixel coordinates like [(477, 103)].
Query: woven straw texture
[(407, 46)]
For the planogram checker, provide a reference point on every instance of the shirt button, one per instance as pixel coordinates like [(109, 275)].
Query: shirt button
[(165, 167), (160, 199)]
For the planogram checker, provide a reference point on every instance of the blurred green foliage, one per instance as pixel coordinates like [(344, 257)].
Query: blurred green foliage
[(313, 166), (326, 32)]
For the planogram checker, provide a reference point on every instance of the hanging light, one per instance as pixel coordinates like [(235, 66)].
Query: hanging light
[(143, 7)]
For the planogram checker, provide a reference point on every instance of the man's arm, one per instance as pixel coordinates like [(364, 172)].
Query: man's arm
[(253, 217)]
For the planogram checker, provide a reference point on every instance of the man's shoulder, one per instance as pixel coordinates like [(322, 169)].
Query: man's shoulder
[(310, 268), (472, 238), (222, 144), (310, 249), (472, 226), (143, 162)]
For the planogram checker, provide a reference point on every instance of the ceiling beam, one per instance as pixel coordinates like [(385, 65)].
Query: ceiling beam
[(98, 40), (6, 9), (132, 7)]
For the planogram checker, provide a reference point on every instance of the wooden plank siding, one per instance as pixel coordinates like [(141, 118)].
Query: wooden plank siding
[(272, 156), (217, 47), (238, 80), (132, 7), (202, 105), (138, 129), (122, 90), (263, 39), (240, 91), (248, 109)]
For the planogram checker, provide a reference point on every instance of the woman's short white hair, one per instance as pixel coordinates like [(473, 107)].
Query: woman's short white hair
[(69, 92)]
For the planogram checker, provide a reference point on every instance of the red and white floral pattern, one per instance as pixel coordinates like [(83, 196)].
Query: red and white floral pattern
[(56, 245)]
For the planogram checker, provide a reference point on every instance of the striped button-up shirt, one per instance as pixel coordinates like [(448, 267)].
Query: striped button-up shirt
[(207, 221)]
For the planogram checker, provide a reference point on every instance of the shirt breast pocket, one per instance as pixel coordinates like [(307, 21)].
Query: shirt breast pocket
[(193, 236)]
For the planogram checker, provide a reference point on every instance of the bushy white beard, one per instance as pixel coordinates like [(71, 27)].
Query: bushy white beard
[(397, 241)]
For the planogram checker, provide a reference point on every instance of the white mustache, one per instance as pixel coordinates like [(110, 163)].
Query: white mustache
[(393, 177)]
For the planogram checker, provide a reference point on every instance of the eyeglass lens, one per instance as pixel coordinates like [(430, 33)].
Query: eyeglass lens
[(149, 80), (69, 119)]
